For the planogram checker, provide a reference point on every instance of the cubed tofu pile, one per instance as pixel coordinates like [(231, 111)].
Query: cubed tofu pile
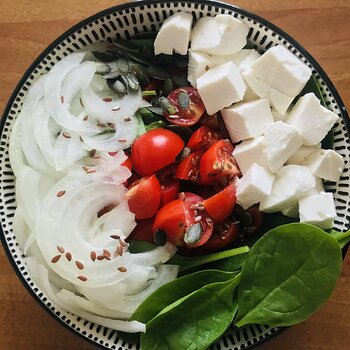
[(278, 146)]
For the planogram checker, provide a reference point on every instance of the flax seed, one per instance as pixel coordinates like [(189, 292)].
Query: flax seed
[(60, 193), (82, 278), (68, 256), (60, 249), (79, 265), (55, 259), (122, 269)]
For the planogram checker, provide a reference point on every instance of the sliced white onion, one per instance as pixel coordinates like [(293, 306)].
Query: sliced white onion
[(17, 158), (77, 76), (112, 111), (40, 276), (20, 228)]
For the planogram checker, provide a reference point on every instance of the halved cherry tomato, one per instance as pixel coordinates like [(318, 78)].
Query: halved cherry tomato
[(210, 120), (153, 85), (144, 197), (188, 106), (188, 168), (169, 190), (223, 237), (203, 138), (180, 217), (143, 231), (217, 164), (220, 206), (257, 218), (154, 150)]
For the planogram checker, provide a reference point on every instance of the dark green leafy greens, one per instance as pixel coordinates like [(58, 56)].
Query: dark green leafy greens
[(213, 308), (289, 273)]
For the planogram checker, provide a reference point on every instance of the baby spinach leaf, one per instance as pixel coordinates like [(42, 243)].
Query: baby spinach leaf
[(343, 238), (289, 273), (175, 290), (196, 322), (187, 263)]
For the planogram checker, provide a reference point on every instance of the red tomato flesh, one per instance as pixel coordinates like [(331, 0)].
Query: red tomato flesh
[(186, 115), (188, 168), (169, 191), (154, 150), (144, 197), (217, 164), (143, 231), (220, 206), (176, 218), (202, 139)]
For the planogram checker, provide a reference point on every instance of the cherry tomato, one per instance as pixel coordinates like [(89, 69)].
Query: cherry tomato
[(143, 231), (169, 190), (217, 164), (210, 120), (203, 138), (188, 168), (188, 106), (220, 206), (144, 197), (257, 218), (180, 217), (223, 237), (154, 150)]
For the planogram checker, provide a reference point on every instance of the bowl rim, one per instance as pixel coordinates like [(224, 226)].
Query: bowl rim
[(136, 4)]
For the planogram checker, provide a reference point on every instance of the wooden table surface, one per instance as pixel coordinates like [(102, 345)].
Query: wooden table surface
[(28, 26)]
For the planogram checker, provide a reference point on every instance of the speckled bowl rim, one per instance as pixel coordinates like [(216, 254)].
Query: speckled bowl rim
[(135, 4)]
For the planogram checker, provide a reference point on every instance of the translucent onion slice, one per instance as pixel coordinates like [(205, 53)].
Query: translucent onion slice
[(40, 276), (77, 76), (110, 108), (17, 158), (30, 148), (123, 136), (20, 228)]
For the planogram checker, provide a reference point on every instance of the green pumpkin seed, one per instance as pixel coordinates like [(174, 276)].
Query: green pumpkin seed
[(184, 153), (183, 99), (139, 58), (116, 53), (157, 72), (114, 74), (103, 56), (123, 65), (155, 110), (147, 116), (125, 45), (117, 86), (148, 52), (194, 234), (132, 82), (160, 238), (167, 106), (140, 73), (102, 68), (167, 87)]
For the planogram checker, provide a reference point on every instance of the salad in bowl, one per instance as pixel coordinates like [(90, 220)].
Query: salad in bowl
[(170, 185)]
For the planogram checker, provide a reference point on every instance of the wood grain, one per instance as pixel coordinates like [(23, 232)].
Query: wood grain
[(27, 27)]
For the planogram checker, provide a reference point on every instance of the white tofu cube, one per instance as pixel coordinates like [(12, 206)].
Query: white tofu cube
[(292, 182), (279, 76), (220, 87), (220, 35), (246, 63), (255, 185), (247, 119), (250, 95), (278, 116), (281, 141), (318, 210), (174, 34), (249, 152), (326, 164), (302, 154), (311, 119)]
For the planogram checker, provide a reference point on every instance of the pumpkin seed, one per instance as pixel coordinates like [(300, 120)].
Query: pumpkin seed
[(116, 53), (114, 74), (132, 82), (183, 99), (125, 45), (156, 125), (139, 58), (167, 106), (140, 73), (102, 68), (157, 72), (160, 238), (156, 110), (147, 116), (103, 56), (193, 235), (123, 65), (167, 87), (184, 153), (123, 79), (148, 52), (117, 86)]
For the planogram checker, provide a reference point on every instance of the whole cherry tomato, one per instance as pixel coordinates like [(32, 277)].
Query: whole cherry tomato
[(154, 150), (186, 106), (144, 197)]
